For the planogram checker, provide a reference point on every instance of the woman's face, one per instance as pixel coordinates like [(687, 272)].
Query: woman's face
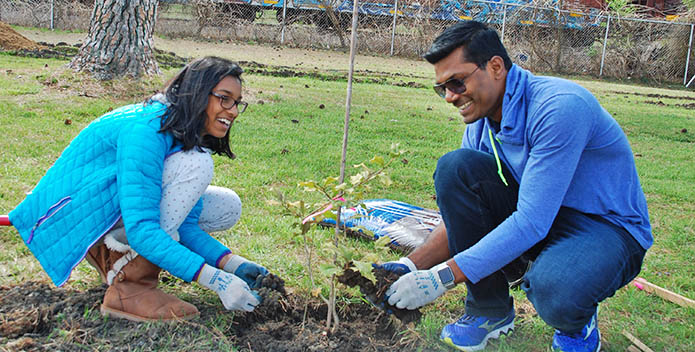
[(220, 119)]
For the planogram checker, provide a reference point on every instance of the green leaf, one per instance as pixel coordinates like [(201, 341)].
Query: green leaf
[(355, 179), (365, 268), (329, 181), (382, 241), (346, 253), (329, 269), (330, 215), (379, 160), (309, 186), (385, 180)]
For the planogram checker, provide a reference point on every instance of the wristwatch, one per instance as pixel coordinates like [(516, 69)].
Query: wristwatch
[(446, 276)]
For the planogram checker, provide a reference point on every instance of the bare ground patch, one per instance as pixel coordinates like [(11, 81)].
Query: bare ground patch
[(35, 316)]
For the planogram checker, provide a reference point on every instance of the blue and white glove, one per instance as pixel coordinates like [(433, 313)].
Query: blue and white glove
[(247, 270), (415, 289), (401, 266), (233, 291)]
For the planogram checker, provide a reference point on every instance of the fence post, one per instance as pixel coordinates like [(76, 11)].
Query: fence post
[(393, 29), (51, 14), (504, 19), (605, 41), (284, 12), (687, 60)]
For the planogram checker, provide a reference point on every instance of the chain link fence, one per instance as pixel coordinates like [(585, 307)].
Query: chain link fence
[(539, 38)]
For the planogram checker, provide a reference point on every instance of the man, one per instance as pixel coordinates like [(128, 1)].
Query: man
[(544, 173)]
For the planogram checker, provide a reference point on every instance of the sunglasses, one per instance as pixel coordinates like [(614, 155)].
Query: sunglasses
[(454, 85)]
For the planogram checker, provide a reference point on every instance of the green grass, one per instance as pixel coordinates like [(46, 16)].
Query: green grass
[(37, 96)]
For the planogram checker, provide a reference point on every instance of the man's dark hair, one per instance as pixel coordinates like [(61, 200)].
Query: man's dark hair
[(478, 42), (188, 93)]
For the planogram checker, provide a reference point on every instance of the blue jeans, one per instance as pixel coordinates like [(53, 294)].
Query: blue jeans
[(583, 260)]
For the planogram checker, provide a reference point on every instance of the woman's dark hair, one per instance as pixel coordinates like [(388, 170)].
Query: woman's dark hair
[(188, 93), (478, 42)]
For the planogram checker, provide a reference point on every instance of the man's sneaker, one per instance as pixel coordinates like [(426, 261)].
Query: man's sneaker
[(587, 340), (470, 333)]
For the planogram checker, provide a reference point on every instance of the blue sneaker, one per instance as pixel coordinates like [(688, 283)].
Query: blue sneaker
[(470, 333), (587, 340)]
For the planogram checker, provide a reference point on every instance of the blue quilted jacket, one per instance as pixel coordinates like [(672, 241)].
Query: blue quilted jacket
[(112, 169)]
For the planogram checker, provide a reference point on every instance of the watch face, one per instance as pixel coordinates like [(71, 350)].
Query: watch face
[(447, 276)]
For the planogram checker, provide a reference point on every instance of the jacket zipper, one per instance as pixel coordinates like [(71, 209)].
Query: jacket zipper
[(51, 211)]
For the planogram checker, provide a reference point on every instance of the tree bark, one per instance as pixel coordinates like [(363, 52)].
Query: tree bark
[(120, 40)]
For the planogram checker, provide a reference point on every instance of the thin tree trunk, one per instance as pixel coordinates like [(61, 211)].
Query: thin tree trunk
[(335, 21), (120, 41)]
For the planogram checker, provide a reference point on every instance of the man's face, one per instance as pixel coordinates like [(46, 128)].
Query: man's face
[(484, 87)]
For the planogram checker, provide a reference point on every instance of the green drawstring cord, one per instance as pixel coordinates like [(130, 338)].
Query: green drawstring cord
[(497, 158)]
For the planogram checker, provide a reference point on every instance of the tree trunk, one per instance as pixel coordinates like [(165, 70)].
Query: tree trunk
[(337, 26), (120, 41)]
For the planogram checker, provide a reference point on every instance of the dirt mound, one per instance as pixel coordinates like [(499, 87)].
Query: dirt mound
[(35, 316), (11, 40)]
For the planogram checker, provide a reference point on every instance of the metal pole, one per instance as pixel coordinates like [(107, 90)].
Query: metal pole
[(284, 12), (504, 20), (690, 81), (51, 14), (687, 60), (605, 41), (393, 29)]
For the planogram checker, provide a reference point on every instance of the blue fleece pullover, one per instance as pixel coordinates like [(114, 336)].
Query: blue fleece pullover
[(112, 169), (563, 149)]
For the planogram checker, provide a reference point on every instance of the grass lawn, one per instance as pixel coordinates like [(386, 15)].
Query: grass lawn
[(292, 132)]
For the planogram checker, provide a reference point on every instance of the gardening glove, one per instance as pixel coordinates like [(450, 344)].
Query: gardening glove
[(247, 270), (401, 266), (233, 291), (415, 289)]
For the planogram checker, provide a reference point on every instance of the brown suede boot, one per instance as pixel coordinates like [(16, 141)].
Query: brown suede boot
[(133, 295), (98, 257)]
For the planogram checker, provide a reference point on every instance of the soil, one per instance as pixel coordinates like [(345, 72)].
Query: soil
[(11, 40), (376, 293), (35, 316)]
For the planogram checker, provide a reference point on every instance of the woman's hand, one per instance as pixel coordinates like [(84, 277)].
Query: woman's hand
[(245, 269), (234, 293)]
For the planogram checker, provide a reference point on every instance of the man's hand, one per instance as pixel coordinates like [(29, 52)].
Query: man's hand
[(247, 270), (233, 291), (417, 288), (401, 266)]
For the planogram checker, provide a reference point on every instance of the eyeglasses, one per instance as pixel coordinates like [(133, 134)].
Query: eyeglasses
[(228, 103), (454, 85)]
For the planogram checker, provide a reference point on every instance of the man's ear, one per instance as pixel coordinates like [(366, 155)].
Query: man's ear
[(496, 67)]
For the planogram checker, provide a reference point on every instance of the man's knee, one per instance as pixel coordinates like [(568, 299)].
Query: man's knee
[(559, 303), (456, 166)]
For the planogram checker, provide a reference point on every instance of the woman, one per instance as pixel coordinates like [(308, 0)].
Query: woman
[(131, 194)]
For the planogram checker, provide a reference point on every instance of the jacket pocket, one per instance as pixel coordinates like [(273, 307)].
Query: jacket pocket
[(51, 211)]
